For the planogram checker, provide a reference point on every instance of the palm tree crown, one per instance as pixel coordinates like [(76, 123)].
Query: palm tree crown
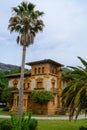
[(26, 22), (74, 96)]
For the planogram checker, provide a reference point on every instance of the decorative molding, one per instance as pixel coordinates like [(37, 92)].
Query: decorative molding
[(27, 80), (15, 82), (39, 79), (53, 80), (46, 76)]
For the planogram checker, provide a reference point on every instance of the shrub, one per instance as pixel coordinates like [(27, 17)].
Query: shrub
[(82, 128), (19, 123), (23, 123), (5, 109), (33, 124), (5, 125)]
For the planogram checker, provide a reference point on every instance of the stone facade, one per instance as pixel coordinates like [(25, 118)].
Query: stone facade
[(44, 75)]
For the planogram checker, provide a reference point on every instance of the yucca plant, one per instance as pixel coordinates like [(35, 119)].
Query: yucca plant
[(23, 123)]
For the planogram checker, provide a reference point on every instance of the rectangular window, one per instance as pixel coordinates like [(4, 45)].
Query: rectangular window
[(39, 85)]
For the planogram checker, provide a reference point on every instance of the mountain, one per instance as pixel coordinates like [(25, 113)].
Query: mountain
[(7, 67)]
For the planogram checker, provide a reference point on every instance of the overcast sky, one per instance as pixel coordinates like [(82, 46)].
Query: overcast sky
[(63, 38)]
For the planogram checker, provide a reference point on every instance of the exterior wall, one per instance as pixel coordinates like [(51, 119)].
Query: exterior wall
[(11, 80), (46, 68), (47, 81), (26, 104), (15, 103)]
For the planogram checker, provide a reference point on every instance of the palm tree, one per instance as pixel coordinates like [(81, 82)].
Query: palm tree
[(74, 96), (26, 22)]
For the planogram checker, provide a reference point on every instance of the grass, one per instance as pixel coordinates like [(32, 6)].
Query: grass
[(4, 112), (38, 115), (55, 124), (61, 125)]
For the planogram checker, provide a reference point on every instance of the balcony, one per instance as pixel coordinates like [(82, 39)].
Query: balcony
[(38, 88)]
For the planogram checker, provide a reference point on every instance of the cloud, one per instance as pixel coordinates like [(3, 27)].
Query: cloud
[(63, 38)]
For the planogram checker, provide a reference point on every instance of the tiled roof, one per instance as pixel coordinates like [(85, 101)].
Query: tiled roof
[(44, 62), (17, 74)]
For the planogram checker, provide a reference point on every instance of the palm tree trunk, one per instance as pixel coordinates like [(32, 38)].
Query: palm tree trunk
[(20, 102)]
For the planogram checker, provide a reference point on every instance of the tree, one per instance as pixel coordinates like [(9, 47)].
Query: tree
[(2, 86), (26, 21), (74, 96), (7, 96), (41, 97), (3, 80), (17, 70)]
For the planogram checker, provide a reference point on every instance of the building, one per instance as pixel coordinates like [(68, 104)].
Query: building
[(44, 75)]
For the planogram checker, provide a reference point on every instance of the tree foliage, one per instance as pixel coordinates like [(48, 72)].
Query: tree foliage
[(2, 86), (41, 97), (3, 80), (26, 21), (16, 70), (7, 96), (74, 96)]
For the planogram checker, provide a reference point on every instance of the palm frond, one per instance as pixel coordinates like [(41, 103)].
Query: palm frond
[(31, 7), (18, 39), (83, 61), (25, 21)]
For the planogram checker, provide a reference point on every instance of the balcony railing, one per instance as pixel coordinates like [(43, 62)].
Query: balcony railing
[(38, 88)]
